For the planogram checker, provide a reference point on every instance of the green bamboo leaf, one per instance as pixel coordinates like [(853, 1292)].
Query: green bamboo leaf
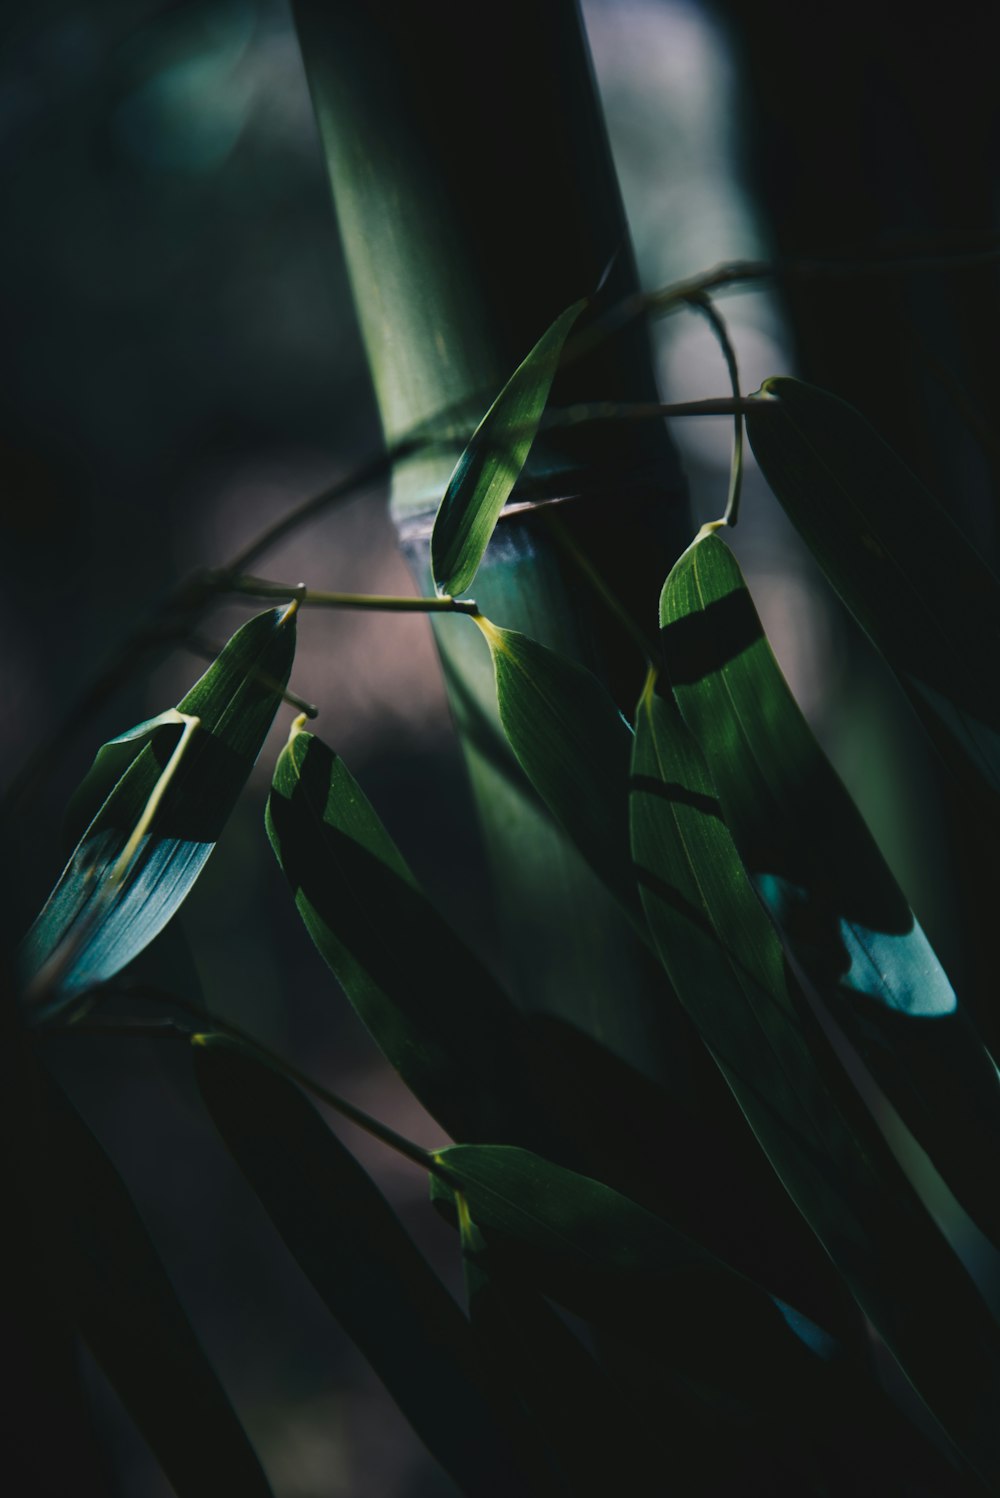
[(457, 1043), (590, 1437), (728, 967), (587, 1246), (352, 1248), (574, 746), (821, 875), (898, 560), (436, 1012), (129, 1315), (699, 1349), (491, 464), (156, 800)]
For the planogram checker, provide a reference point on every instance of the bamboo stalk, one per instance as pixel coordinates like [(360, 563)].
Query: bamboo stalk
[(468, 226)]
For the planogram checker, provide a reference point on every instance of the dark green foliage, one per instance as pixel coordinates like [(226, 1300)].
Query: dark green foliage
[(822, 877), (666, 1210), (727, 964), (353, 1249), (899, 562), (434, 1009), (120, 1297)]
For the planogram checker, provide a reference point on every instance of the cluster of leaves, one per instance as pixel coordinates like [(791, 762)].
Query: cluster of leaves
[(735, 1353)]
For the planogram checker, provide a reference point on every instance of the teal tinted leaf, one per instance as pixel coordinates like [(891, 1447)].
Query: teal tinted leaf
[(129, 1315), (491, 464), (435, 1011), (728, 967), (352, 1248), (821, 875), (574, 746), (112, 899), (110, 763), (898, 560)]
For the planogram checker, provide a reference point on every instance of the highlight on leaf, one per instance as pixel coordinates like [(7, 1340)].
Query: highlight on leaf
[(729, 969), (823, 879), (152, 807), (491, 464)]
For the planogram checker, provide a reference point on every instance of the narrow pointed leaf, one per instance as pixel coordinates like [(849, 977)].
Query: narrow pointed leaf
[(565, 1222), (698, 1342), (435, 1011), (130, 1317), (728, 966), (574, 746), (491, 464), (98, 917), (589, 1437), (454, 1037), (823, 879), (352, 1248), (900, 563)]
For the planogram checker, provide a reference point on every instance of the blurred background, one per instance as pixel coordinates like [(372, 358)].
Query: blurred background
[(181, 366)]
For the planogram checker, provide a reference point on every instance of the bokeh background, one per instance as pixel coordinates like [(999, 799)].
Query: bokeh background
[(181, 366)]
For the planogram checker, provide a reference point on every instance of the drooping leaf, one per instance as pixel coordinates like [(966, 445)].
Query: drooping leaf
[(574, 746), (898, 560), (729, 969), (440, 1019), (821, 875), (719, 1190), (107, 905), (133, 1323), (698, 1349), (433, 1008), (491, 464), (361, 1262), (587, 1246), (590, 1437)]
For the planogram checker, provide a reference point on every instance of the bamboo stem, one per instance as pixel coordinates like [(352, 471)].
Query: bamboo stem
[(258, 587), (703, 303), (225, 1032)]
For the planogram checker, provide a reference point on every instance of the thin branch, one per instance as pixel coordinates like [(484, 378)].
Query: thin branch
[(238, 1040), (563, 416), (259, 587), (702, 302), (224, 1032)]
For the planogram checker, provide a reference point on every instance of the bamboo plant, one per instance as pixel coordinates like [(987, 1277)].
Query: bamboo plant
[(682, 1226)]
